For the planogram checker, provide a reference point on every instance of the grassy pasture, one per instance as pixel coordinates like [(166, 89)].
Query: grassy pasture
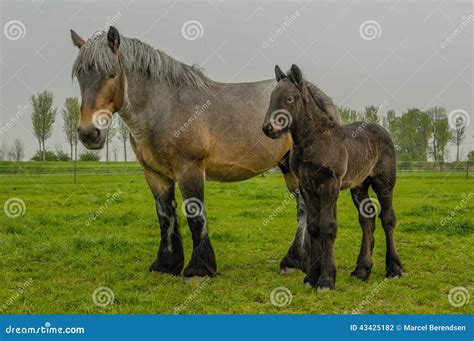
[(54, 256)]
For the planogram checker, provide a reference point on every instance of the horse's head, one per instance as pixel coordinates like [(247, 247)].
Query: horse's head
[(286, 102), (102, 84)]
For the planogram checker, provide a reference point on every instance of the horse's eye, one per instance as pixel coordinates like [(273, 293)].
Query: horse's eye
[(290, 99)]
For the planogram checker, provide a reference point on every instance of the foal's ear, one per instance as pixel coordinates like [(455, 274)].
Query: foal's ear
[(76, 39), (296, 76), (113, 37), (279, 75)]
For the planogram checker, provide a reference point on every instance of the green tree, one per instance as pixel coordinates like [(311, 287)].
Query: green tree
[(90, 156), (440, 133), (347, 115), (370, 114), (43, 118), (412, 133), (71, 114)]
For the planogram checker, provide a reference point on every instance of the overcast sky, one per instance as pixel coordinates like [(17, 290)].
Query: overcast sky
[(412, 54)]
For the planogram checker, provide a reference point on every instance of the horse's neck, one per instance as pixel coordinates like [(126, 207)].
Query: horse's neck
[(136, 111)]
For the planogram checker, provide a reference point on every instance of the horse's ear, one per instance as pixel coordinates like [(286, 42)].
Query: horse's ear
[(279, 75), (296, 76), (76, 39), (113, 37)]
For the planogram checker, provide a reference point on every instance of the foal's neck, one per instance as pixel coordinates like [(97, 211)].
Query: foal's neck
[(311, 122)]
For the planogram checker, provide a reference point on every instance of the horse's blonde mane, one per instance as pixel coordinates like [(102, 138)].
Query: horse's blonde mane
[(136, 57)]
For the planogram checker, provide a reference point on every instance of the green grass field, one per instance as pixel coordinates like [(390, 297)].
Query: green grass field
[(54, 256)]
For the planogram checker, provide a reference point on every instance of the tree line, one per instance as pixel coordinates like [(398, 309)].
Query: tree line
[(418, 135), (43, 118)]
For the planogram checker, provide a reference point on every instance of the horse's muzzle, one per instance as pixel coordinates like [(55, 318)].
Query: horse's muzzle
[(91, 137)]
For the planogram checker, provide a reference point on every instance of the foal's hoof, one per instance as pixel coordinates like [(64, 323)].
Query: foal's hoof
[(324, 289), (308, 285), (361, 273), (195, 279), (287, 271), (394, 271)]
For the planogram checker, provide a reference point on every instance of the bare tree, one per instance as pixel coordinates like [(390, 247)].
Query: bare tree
[(71, 113), (3, 151), (17, 152), (43, 118), (123, 135), (458, 134)]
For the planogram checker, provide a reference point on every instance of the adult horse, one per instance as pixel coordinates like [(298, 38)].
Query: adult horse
[(185, 128)]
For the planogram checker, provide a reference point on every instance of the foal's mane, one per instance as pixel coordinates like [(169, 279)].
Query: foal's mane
[(136, 57)]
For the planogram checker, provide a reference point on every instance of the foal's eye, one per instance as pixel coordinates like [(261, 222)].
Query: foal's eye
[(290, 99)]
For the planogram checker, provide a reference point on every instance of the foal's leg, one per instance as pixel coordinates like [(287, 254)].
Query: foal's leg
[(297, 256), (384, 190), (365, 207), (313, 209), (328, 193), (170, 258), (203, 261)]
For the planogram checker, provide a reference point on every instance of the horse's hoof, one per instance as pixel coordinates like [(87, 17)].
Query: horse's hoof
[(308, 285), (195, 279), (323, 289), (287, 271)]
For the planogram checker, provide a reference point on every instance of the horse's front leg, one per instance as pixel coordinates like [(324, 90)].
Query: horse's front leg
[(328, 193), (298, 256), (191, 184), (170, 258)]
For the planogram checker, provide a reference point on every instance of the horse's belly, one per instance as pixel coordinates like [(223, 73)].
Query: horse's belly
[(236, 164)]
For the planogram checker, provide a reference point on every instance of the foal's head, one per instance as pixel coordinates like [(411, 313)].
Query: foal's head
[(286, 102), (102, 84)]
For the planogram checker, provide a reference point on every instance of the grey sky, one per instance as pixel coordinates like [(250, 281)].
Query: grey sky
[(409, 65)]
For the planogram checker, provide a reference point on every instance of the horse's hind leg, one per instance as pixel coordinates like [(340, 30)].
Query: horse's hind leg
[(367, 212), (191, 184), (384, 190), (298, 256), (170, 258)]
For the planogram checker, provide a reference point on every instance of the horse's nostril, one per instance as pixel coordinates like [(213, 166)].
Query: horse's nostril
[(95, 133)]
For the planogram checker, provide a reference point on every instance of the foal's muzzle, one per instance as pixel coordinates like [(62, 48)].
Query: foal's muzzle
[(270, 131)]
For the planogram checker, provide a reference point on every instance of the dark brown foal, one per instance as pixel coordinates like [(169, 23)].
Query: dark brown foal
[(327, 157)]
